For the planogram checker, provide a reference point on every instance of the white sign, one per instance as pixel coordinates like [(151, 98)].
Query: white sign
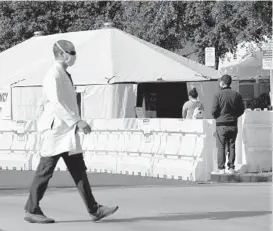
[(210, 56), (5, 103), (267, 56)]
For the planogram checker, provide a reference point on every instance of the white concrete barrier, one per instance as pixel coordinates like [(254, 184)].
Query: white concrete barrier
[(102, 162), (167, 148), (135, 164), (172, 148), (254, 144), (19, 142), (187, 152), (180, 150), (15, 161), (89, 141), (35, 161), (15, 145)]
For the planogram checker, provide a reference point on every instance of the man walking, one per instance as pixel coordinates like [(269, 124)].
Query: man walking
[(58, 125), (227, 107)]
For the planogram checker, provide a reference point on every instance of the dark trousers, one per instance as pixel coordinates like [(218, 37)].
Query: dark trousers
[(225, 139), (44, 172)]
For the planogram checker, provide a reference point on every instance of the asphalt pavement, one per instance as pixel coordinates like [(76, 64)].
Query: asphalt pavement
[(145, 204)]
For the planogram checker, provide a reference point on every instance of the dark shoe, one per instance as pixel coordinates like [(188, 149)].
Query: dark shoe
[(38, 218), (103, 211)]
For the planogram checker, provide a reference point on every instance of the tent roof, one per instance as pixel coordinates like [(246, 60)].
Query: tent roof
[(250, 67), (104, 56)]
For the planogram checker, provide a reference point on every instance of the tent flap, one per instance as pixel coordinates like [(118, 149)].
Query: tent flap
[(109, 101)]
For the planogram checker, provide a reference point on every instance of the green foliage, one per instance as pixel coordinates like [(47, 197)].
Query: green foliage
[(263, 101), (211, 26), (224, 24), (156, 22), (19, 20), (254, 20), (169, 24)]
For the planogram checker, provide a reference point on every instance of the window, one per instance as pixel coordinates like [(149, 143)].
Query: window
[(247, 90)]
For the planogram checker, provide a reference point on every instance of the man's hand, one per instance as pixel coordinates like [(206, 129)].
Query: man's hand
[(83, 126)]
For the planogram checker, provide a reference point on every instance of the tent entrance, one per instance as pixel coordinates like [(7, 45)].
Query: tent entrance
[(162, 100)]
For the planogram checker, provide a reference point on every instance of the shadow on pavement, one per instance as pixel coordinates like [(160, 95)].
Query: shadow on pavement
[(178, 217)]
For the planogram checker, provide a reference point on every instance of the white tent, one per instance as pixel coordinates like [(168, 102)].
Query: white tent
[(248, 62), (250, 67), (97, 101), (104, 56)]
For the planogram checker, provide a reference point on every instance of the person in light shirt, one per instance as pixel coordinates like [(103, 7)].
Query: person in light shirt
[(58, 125), (193, 109)]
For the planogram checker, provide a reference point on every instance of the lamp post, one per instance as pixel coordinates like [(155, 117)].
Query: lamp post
[(11, 109)]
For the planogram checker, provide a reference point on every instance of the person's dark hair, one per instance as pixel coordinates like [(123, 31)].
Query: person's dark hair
[(193, 93), (226, 79)]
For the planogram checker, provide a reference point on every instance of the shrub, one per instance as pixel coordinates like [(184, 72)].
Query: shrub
[(262, 101)]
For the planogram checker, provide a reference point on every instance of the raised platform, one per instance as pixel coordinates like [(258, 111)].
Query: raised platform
[(244, 178)]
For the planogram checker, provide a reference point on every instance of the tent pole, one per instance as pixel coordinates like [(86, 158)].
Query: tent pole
[(271, 86), (11, 112), (11, 107)]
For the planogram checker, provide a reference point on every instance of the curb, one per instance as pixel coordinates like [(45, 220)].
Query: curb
[(241, 178), (13, 179), (21, 180)]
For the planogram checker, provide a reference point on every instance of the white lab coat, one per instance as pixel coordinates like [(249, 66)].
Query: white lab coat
[(59, 114)]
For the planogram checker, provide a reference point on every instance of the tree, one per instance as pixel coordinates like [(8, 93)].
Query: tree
[(19, 20), (211, 26), (155, 22), (168, 24), (224, 25), (262, 102), (253, 20), (92, 15)]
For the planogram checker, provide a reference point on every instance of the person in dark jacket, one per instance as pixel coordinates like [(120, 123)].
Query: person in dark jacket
[(227, 107)]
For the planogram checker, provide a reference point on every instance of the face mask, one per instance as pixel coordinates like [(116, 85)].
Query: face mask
[(71, 59)]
